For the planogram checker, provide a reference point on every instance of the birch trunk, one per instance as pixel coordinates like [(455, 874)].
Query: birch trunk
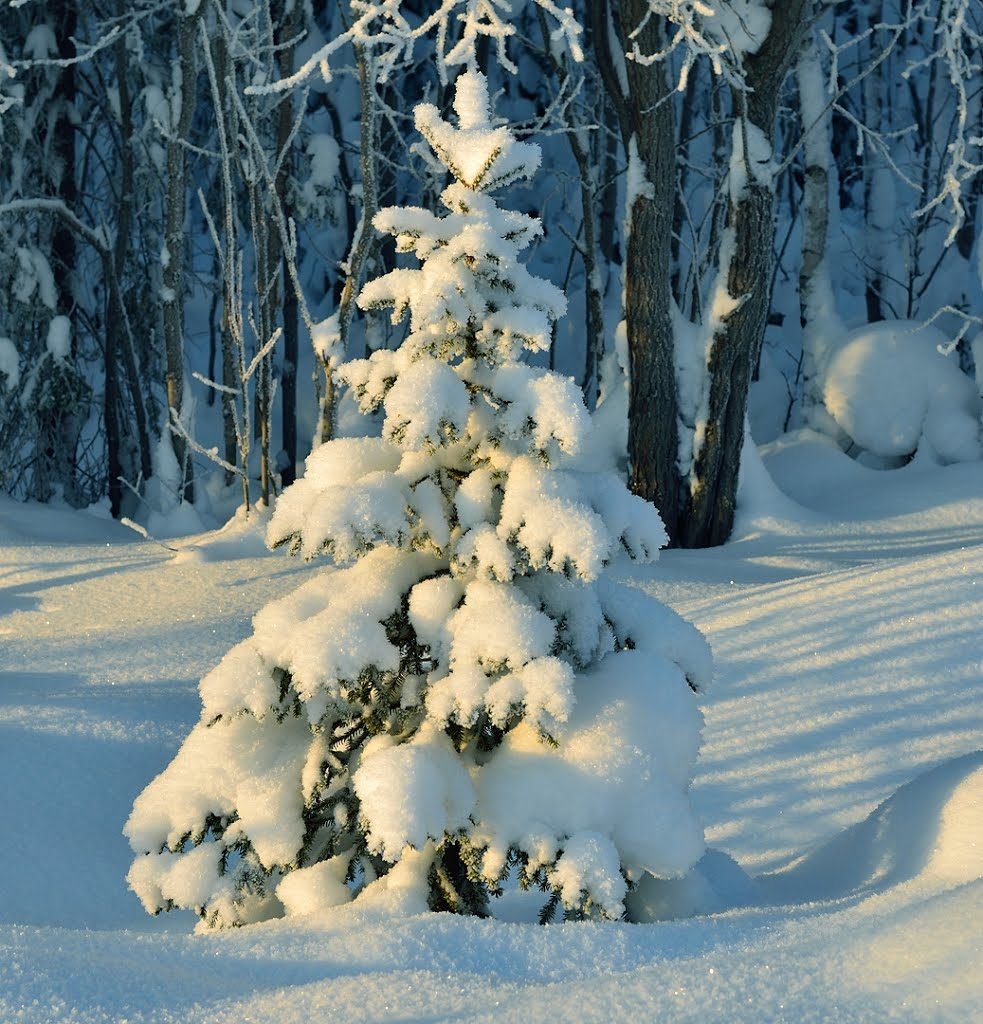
[(182, 109)]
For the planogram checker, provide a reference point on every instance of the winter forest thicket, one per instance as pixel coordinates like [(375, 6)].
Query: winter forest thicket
[(730, 192), (477, 306), (486, 302)]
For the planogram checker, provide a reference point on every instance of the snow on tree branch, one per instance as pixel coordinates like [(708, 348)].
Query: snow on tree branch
[(382, 29), (721, 31), (959, 39)]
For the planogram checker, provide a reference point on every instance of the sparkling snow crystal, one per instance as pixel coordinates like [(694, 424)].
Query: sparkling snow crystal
[(466, 695)]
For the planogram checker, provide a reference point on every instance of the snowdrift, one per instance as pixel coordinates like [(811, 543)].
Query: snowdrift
[(839, 783)]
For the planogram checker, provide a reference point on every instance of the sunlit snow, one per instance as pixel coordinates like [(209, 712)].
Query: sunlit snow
[(840, 782)]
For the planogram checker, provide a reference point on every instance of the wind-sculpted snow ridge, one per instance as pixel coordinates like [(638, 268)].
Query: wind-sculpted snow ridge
[(928, 834), (923, 839), (466, 697)]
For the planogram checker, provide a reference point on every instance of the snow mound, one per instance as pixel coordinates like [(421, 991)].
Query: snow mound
[(31, 522), (892, 389), (714, 884), (240, 538), (929, 832)]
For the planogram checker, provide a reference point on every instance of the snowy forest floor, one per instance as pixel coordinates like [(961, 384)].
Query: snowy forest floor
[(842, 769)]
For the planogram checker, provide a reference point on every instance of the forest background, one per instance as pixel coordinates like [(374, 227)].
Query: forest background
[(730, 193)]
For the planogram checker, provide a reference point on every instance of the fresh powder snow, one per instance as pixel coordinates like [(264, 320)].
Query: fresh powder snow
[(839, 782)]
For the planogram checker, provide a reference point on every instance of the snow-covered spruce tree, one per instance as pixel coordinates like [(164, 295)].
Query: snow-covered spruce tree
[(466, 692)]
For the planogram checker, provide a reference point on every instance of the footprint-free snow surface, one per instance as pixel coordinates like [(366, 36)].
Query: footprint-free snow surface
[(841, 783)]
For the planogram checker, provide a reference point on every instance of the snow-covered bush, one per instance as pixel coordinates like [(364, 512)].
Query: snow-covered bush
[(466, 692), (891, 390)]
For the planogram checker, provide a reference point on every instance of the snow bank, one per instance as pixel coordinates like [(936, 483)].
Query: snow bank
[(926, 834), (848, 669)]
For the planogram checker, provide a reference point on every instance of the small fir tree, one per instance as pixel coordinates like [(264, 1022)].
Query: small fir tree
[(466, 692)]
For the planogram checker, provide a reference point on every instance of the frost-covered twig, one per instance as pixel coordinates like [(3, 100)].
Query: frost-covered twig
[(57, 207), (214, 384), (145, 533), (262, 354), (690, 35), (968, 320), (209, 453), (381, 27), (719, 32), (877, 141), (837, 92), (959, 46)]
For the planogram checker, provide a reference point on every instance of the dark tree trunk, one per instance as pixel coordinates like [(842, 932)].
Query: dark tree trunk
[(57, 466), (288, 381), (871, 98), (698, 506), (114, 464), (646, 120), (117, 338), (684, 131), (230, 362), (708, 512), (593, 297), (607, 197)]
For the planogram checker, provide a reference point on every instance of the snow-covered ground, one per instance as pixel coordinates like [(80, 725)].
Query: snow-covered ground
[(842, 770)]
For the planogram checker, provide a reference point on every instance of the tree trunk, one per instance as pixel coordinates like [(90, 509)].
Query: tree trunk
[(265, 284), (607, 197), (817, 305), (361, 247), (286, 27), (646, 120), (746, 261), (683, 141), (288, 380), (57, 466), (745, 268), (226, 257), (117, 337), (114, 464), (593, 296), (182, 103), (876, 177)]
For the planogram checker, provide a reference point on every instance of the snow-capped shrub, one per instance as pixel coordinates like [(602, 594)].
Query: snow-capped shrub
[(892, 390), (466, 692)]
